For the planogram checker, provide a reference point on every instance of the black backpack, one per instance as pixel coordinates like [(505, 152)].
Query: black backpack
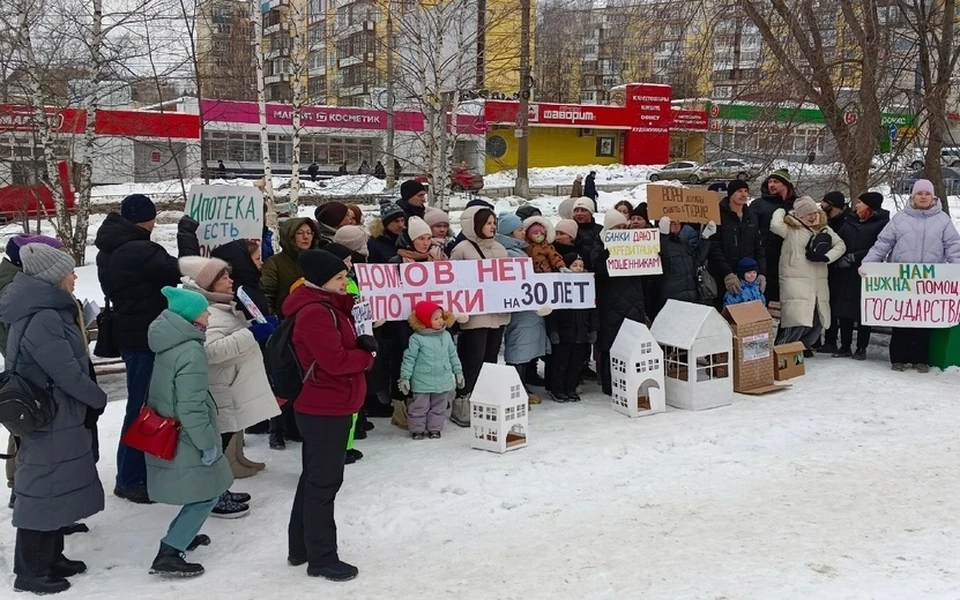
[(283, 368), (818, 245), (24, 407)]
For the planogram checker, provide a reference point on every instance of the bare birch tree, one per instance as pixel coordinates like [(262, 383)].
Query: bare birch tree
[(270, 214)]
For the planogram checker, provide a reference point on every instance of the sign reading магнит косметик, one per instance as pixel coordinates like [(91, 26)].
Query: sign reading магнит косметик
[(910, 295), (470, 287)]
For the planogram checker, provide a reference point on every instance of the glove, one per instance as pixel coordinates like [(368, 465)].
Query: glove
[(592, 338), (261, 331), (210, 455), (762, 282), (861, 272), (565, 270), (554, 337), (274, 320), (732, 283), (404, 386), (460, 380), (461, 318), (543, 311), (664, 225), (846, 261), (188, 224), (708, 230), (368, 343)]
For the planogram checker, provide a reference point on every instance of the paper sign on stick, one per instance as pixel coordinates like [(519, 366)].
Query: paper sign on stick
[(363, 318), (225, 213), (688, 205), (250, 305), (910, 295), (633, 252), (471, 287)]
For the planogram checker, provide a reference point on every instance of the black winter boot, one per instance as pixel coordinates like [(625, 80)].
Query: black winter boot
[(64, 567), (338, 571), (51, 584), (276, 441), (200, 540), (170, 563)]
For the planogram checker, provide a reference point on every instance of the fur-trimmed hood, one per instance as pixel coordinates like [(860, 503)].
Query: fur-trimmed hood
[(794, 223), (418, 327), (375, 227), (551, 232)]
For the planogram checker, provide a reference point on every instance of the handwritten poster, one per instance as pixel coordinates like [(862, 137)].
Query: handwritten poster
[(910, 295), (687, 205), (363, 318), (225, 213), (633, 252)]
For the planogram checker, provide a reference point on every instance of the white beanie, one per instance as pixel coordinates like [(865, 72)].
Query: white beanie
[(435, 216), (583, 202), (612, 218), (417, 227)]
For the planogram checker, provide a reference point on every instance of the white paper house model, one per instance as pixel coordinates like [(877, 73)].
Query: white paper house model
[(498, 409), (636, 369), (697, 350)]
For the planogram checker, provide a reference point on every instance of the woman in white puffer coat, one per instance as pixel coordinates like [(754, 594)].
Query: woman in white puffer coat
[(238, 380)]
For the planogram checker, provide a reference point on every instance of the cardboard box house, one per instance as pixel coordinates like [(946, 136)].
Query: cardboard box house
[(636, 369), (498, 410), (752, 328), (697, 348), (789, 361)]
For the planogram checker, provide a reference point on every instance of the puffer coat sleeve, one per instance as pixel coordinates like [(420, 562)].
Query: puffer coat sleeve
[(191, 407)]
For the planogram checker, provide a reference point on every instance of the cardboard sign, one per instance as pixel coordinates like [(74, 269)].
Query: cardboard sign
[(471, 287), (633, 252), (363, 318), (687, 205), (910, 295), (225, 213)]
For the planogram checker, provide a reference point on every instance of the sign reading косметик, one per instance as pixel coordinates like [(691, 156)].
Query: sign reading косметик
[(910, 295), (225, 213), (471, 287)]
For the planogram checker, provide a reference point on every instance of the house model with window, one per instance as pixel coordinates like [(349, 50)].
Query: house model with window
[(636, 370), (697, 349), (498, 410)]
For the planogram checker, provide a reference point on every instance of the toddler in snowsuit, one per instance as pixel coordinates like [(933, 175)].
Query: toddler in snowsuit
[(750, 287), (572, 332), (539, 237), (431, 370)]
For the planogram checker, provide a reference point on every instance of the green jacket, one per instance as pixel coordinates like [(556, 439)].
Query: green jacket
[(430, 360), (8, 271), (178, 389), (282, 270)]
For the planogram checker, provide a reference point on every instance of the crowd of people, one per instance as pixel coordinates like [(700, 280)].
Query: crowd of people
[(193, 332)]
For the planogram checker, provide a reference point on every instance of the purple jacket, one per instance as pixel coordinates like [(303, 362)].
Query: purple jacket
[(917, 236)]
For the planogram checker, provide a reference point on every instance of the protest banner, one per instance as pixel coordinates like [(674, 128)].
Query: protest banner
[(225, 213), (633, 252), (910, 295), (363, 318), (687, 205), (471, 287)]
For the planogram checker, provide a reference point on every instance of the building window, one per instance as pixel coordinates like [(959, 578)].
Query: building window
[(606, 146), (675, 361), (496, 146), (713, 366)]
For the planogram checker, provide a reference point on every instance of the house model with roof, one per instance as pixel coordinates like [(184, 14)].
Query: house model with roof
[(697, 348), (636, 371), (498, 410)]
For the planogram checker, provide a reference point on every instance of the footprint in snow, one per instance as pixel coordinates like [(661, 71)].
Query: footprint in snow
[(823, 569)]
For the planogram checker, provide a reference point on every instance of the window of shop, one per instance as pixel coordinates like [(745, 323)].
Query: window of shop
[(245, 147), (496, 146)]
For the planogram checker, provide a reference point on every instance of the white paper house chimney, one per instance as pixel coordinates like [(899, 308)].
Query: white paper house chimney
[(498, 410), (636, 369)]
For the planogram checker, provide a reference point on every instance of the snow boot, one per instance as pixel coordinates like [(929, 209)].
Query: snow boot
[(51, 584), (74, 528), (806, 354), (460, 413), (860, 354), (827, 349), (418, 435), (559, 397), (434, 435), (352, 456), (276, 441), (400, 417), (64, 567), (137, 495), (922, 368), (259, 466), (533, 398), (200, 540), (238, 497), (338, 571), (225, 509), (843, 352), (240, 470), (260, 428), (899, 367), (170, 563), (573, 397)]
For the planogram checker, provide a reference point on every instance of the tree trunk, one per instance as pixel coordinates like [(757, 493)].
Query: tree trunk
[(270, 212), (298, 59)]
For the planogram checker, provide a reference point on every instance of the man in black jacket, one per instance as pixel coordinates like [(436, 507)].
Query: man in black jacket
[(132, 271), (588, 230), (835, 205), (737, 237), (781, 194), (413, 199)]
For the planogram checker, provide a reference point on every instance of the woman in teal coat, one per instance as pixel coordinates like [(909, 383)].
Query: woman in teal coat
[(198, 473)]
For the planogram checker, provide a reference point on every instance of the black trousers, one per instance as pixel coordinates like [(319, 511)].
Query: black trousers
[(603, 372), (910, 346), (830, 335), (846, 334), (312, 533), (35, 552), (475, 347), (285, 423), (566, 364)]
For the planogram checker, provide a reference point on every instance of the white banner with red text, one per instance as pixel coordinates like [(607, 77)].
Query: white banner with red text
[(910, 295)]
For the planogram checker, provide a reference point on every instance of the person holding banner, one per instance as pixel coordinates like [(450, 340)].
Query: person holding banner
[(481, 335), (384, 232), (680, 262), (439, 223), (588, 230), (920, 234), (415, 243)]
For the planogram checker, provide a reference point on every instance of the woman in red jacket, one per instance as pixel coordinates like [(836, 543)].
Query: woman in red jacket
[(334, 360)]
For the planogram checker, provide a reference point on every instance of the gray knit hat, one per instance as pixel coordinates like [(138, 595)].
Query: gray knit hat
[(47, 264)]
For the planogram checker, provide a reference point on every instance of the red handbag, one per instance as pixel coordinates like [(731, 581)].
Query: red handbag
[(153, 434)]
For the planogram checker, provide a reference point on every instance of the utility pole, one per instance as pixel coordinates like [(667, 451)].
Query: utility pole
[(390, 151), (522, 185)]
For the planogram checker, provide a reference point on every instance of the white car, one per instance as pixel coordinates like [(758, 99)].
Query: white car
[(949, 157), (680, 170), (728, 168)]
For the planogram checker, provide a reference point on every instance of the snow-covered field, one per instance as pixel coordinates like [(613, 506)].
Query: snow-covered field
[(842, 486)]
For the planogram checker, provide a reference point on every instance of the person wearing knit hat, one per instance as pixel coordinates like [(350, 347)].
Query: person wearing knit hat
[(920, 233), (614, 219), (834, 204), (566, 232), (413, 198), (19, 241), (588, 230), (738, 236), (571, 333), (872, 200), (565, 208), (431, 370), (749, 288), (139, 210), (781, 176), (735, 185), (582, 210), (507, 223), (320, 266), (434, 216), (806, 209), (47, 264), (528, 210), (187, 304), (415, 243), (574, 262), (780, 193), (334, 215), (417, 228), (385, 231), (390, 212), (353, 237), (206, 273)]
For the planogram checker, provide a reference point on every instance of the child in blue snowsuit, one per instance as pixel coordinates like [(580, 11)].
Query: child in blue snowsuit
[(747, 269)]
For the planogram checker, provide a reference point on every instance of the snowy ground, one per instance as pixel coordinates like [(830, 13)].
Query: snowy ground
[(826, 490)]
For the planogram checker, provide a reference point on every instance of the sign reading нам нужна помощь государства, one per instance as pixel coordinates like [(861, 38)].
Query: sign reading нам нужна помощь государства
[(910, 295)]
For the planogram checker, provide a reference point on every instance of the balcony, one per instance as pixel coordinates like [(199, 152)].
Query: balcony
[(355, 59), (276, 4), (272, 79), (357, 27)]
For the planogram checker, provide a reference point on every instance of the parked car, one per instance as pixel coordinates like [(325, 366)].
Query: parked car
[(951, 180), (949, 157), (462, 179), (680, 170), (728, 168)]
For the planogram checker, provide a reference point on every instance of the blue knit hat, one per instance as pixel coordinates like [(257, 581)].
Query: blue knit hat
[(507, 223), (186, 303), (17, 242), (138, 208), (745, 265)]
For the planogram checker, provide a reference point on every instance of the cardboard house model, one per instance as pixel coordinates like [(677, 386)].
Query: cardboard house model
[(697, 348), (789, 361), (498, 410), (636, 369), (752, 328)]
